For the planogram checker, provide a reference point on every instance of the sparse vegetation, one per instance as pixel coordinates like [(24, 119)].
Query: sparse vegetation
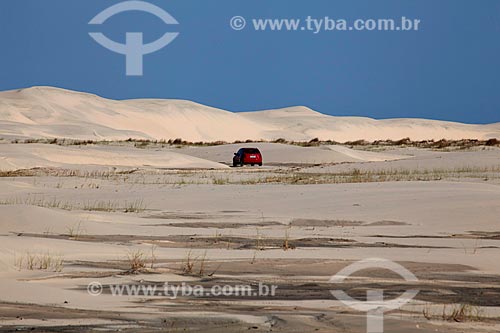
[(75, 231), (201, 271), (465, 312), (39, 261), (254, 258), (153, 256), (137, 262), (39, 201), (178, 178), (135, 206), (179, 142), (100, 206), (286, 241), (188, 265), (258, 241), (368, 176), (220, 181), (217, 236), (47, 232), (455, 312)]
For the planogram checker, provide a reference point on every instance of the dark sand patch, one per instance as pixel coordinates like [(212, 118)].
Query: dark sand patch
[(181, 216), (290, 268), (230, 242), (490, 235), (216, 225), (290, 319), (438, 283), (121, 321), (342, 223), (493, 235)]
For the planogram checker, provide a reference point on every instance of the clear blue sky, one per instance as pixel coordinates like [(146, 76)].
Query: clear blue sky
[(450, 69)]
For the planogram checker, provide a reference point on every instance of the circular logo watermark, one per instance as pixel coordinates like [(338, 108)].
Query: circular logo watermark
[(94, 288), (238, 23), (375, 306), (134, 48)]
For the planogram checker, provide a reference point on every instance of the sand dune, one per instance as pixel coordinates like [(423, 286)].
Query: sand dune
[(42, 112), (307, 124), (22, 156), (51, 112), (13, 157)]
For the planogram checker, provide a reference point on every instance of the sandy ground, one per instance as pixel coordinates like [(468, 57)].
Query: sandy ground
[(434, 212)]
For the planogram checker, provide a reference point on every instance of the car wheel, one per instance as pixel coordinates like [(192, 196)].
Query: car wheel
[(252, 164), (260, 164)]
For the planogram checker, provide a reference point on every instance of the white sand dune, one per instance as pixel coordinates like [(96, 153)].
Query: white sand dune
[(13, 157), (307, 124), (45, 112), (51, 112)]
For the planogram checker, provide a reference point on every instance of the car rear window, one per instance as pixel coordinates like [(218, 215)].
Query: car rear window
[(251, 151)]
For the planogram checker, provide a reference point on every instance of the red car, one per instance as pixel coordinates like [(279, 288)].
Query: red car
[(250, 156)]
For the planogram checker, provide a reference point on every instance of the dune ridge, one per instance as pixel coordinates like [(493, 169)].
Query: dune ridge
[(47, 112)]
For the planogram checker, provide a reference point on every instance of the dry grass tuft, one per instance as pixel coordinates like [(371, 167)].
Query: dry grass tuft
[(40, 261), (75, 231), (458, 313), (135, 206), (286, 241), (463, 312), (188, 266), (137, 262)]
